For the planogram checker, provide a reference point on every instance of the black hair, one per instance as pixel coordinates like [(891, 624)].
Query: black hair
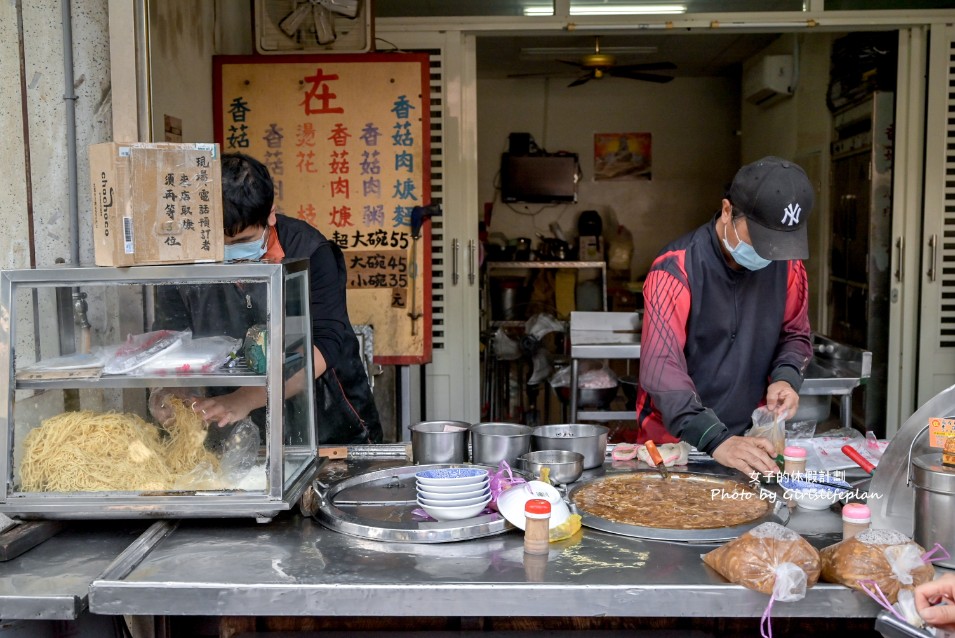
[(247, 193)]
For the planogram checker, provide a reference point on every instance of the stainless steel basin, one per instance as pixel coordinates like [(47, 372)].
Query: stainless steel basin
[(835, 370)]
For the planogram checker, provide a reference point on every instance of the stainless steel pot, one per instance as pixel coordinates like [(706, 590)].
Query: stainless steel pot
[(590, 440), (934, 504), (492, 443), (439, 442)]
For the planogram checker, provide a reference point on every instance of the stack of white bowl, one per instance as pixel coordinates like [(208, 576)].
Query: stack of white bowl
[(453, 493)]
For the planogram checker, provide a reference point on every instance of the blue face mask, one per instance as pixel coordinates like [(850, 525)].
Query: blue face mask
[(744, 254), (247, 250)]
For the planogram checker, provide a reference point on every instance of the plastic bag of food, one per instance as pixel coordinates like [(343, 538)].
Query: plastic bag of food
[(769, 425), (887, 559), (142, 348), (205, 354), (597, 379), (770, 559), (753, 560)]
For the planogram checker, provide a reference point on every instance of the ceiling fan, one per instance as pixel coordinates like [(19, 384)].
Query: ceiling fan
[(597, 65)]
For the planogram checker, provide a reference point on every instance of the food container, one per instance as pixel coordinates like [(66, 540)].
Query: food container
[(599, 398), (439, 442), (934, 503), (856, 518), (794, 459), (590, 440), (565, 466), (492, 443)]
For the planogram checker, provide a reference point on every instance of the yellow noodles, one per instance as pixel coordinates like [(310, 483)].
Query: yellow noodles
[(89, 451)]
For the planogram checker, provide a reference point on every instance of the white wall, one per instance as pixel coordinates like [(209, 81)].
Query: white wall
[(799, 128), (694, 124), (182, 43)]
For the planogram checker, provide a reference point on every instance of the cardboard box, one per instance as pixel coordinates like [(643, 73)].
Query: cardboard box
[(156, 203)]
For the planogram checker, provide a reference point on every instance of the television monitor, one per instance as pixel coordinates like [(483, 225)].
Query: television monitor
[(541, 179)]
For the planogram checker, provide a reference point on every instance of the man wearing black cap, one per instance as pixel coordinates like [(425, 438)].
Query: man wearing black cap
[(726, 323)]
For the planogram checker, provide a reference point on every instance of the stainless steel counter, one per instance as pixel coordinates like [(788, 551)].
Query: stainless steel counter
[(293, 566), (51, 581)]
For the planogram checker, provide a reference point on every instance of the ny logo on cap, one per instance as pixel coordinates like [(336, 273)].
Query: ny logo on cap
[(791, 214)]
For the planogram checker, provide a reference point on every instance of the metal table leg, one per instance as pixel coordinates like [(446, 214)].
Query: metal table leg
[(573, 391)]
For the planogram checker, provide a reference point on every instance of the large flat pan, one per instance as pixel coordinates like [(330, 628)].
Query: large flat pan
[(777, 513), (378, 505)]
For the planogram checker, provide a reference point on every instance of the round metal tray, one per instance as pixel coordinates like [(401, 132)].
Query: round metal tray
[(379, 505), (778, 513)]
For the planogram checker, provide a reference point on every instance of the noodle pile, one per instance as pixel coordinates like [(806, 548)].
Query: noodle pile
[(90, 451)]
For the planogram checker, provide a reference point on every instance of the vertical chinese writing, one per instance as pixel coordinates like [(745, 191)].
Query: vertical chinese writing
[(186, 199), (238, 131), (402, 139)]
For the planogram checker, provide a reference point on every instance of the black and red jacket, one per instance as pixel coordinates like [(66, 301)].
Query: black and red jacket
[(714, 338)]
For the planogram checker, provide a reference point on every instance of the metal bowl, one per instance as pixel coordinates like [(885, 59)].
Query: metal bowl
[(589, 397), (565, 466), (585, 438)]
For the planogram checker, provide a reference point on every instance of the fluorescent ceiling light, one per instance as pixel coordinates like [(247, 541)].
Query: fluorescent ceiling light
[(628, 9), (549, 52), (620, 9)]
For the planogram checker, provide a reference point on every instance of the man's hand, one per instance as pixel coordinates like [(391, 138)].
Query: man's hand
[(781, 399), (229, 408), (935, 602), (748, 454)]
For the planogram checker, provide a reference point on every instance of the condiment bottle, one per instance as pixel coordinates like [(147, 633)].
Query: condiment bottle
[(794, 460), (855, 518), (536, 526)]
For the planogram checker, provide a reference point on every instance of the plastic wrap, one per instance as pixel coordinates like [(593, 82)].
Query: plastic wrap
[(770, 426)]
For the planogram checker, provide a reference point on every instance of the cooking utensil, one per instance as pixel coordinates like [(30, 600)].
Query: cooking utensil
[(657, 460), (564, 466), (492, 443), (859, 460), (588, 439), (439, 442), (934, 484)]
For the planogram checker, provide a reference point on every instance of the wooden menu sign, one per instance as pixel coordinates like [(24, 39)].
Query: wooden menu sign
[(346, 139)]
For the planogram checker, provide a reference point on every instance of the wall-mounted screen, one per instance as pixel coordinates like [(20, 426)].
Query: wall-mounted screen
[(539, 178)]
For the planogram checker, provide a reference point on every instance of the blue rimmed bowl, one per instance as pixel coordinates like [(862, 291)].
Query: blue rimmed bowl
[(813, 496), (451, 476)]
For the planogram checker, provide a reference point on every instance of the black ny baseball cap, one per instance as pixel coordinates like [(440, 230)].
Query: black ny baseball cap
[(776, 197)]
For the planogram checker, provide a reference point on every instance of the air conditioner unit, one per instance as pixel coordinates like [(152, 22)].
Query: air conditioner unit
[(768, 80), (320, 26)]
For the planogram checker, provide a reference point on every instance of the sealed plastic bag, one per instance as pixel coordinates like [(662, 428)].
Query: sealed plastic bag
[(752, 559), (141, 349), (769, 425), (888, 559), (206, 354), (770, 559)]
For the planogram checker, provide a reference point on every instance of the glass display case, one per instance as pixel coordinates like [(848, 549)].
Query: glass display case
[(103, 371)]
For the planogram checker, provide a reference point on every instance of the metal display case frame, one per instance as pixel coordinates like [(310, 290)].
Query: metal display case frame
[(289, 468)]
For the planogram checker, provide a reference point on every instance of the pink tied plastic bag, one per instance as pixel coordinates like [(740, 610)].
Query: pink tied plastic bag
[(872, 589), (501, 480)]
